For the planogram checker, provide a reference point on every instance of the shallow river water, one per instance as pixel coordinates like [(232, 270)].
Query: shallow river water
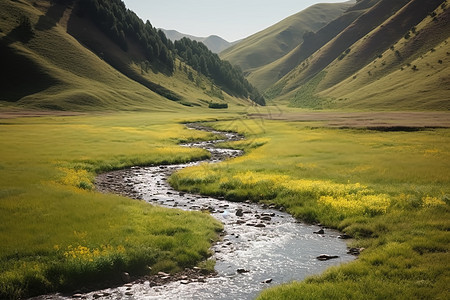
[(261, 246)]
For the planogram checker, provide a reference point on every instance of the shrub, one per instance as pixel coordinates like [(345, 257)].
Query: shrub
[(25, 23), (25, 29), (218, 105)]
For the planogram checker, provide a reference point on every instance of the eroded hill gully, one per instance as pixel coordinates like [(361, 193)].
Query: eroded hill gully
[(261, 246)]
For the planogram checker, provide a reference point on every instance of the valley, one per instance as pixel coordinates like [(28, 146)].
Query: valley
[(343, 114)]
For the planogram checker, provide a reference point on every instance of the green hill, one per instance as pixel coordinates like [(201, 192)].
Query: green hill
[(412, 72), (312, 41), (276, 41), (59, 55), (62, 73), (394, 56)]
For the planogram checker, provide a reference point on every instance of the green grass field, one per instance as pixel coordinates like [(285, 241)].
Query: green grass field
[(389, 190), (59, 234)]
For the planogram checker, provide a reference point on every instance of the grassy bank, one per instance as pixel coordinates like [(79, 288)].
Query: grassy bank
[(57, 233), (388, 189)]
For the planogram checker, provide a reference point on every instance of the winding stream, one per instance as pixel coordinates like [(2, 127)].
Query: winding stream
[(261, 246)]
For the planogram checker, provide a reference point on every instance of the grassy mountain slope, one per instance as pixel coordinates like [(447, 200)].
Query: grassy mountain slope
[(332, 50), (413, 72), (382, 38), (48, 68), (78, 76), (276, 41), (269, 74), (373, 44)]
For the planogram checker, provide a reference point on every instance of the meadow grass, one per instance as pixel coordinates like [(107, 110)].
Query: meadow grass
[(389, 190), (57, 233)]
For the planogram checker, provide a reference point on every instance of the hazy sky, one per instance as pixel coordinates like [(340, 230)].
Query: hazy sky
[(229, 19)]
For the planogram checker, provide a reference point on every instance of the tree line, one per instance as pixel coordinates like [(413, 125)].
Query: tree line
[(121, 25)]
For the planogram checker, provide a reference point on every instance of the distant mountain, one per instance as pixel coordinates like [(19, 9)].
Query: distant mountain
[(394, 55), (217, 44), (214, 43), (278, 40)]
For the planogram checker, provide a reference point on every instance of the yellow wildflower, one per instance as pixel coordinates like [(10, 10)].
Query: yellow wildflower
[(432, 201)]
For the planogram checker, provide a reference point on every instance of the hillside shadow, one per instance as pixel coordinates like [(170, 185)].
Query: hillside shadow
[(22, 33), (51, 17), (20, 76)]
